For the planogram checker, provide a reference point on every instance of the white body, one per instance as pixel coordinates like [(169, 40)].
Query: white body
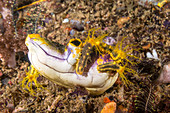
[(58, 67)]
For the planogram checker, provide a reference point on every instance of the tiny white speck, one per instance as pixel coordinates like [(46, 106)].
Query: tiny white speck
[(66, 20), (148, 54), (154, 56)]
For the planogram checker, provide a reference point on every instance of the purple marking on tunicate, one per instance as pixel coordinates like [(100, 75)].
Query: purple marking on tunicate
[(68, 49), (51, 55), (55, 69), (50, 66), (106, 59), (69, 52), (77, 75), (34, 43)]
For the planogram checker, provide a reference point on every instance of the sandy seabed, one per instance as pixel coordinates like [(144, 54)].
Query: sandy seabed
[(144, 24)]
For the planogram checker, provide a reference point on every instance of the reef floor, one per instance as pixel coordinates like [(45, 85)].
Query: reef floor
[(146, 25)]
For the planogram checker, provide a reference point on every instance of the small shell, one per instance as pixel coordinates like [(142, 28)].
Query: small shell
[(109, 108)]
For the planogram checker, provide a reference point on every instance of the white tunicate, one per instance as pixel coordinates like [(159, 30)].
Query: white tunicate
[(155, 55), (148, 55)]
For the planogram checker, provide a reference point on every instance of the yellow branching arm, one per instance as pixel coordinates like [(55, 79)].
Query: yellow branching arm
[(30, 80)]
